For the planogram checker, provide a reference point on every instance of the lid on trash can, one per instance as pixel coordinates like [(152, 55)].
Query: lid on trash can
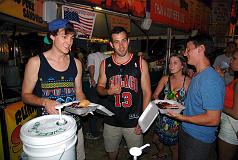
[(47, 130)]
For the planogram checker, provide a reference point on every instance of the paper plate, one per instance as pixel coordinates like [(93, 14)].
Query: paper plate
[(91, 108), (165, 111), (148, 116)]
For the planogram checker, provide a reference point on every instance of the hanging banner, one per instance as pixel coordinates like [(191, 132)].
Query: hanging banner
[(28, 10), (98, 2), (119, 21), (170, 13), (17, 114), (132, 7), (83, 20)]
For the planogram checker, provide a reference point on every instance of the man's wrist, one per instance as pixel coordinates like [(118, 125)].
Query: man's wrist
[(107, 92), (185, 118), (43, 102)]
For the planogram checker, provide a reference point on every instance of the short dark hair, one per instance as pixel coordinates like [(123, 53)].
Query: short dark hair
[(117, 30), (205, 40)]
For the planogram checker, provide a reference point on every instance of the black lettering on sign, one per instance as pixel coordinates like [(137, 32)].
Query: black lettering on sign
[(28, 4), (32, 16), (24, 113)]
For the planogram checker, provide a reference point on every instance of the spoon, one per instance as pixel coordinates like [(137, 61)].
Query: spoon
[(136, 151)]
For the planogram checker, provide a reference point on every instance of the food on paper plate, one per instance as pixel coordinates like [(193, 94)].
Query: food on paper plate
[(84, 103), (166, 105)]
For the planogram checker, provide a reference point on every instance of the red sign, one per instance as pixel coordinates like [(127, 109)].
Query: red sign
[(132, 7), (17, 114), (169, 13)]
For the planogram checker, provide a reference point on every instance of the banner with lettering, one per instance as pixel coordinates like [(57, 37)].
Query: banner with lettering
[(120, 21), (170, 13), (184, 15), (28, 10), (17, 114), (1, 144), (132, 7), (83, 20)]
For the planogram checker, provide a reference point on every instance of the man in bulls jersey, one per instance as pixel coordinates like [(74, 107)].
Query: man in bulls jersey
[(124, 80)]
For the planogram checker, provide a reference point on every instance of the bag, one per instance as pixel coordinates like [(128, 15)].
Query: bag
[(236, 132)]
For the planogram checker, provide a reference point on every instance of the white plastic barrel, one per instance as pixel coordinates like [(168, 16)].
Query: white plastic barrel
[(44, 138)]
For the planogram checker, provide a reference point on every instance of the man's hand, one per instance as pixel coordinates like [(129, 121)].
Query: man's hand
[(116, 89), (50, 106), (220, 71), (92, 82), (138, 130), (176, 116)]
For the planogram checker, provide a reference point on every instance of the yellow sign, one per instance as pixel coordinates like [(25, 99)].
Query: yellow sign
[(1, 144), (28, 10), (16, 114), (120, 21)]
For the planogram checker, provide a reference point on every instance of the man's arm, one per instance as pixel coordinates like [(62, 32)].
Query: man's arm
[(28, 85), (78, 81), (91, 69), (145, 84), (101, 87), (210, 118)]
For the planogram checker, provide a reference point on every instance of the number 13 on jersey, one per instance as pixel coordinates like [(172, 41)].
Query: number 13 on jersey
[(126, 99)]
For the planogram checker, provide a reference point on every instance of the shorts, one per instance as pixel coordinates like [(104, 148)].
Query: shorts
[(113, 135), (80, 146), (193, 149), (226, 132)]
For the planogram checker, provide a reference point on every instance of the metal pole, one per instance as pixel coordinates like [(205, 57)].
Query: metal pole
[(168, 49), (1, 89)]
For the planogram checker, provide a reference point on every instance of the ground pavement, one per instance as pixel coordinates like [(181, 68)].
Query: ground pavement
[(94, 149)]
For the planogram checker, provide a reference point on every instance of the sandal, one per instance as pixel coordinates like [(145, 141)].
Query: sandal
[(159, 156)]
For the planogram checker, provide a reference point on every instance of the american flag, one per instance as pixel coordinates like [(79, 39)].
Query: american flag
[(82, 20)]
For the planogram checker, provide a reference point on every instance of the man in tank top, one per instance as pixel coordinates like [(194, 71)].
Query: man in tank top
[(124, 80), (55, 77)]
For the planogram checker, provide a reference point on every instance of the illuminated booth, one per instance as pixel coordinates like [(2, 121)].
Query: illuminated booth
[(18, 18)]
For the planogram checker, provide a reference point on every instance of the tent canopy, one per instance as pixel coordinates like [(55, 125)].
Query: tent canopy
[(156, 30)]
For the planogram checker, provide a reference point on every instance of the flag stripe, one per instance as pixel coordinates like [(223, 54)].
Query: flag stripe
[(82, 20)]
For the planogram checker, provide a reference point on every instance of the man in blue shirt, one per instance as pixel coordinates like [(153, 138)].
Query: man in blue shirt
[(203, 103)]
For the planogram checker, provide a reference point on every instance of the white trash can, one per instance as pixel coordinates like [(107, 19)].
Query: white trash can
[(44, 138)]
